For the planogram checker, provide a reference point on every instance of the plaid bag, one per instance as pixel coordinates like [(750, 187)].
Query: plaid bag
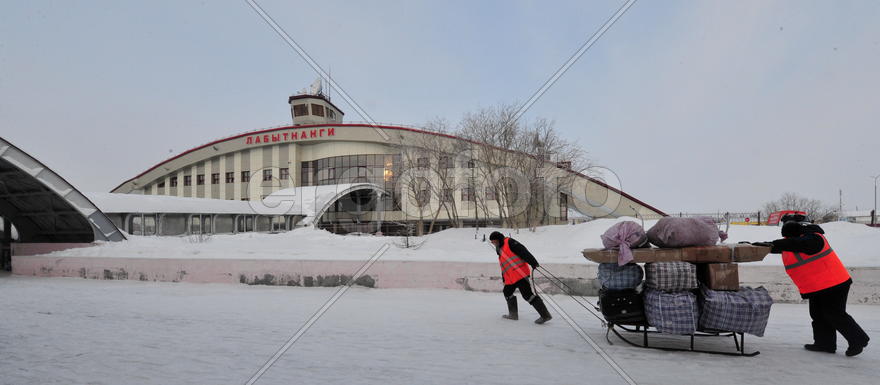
[(671, 276), (672, 313), (743, 311), (615, 277)]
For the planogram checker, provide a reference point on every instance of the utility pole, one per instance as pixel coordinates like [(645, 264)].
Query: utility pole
[(874, 213)]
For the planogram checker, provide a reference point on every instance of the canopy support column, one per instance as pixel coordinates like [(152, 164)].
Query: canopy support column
[(6, 248)]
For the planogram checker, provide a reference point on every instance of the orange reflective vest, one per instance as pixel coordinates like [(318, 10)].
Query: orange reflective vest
[(513, 268), (815, 272)]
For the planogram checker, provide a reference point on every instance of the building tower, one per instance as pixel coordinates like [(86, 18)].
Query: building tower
[(313, 107)]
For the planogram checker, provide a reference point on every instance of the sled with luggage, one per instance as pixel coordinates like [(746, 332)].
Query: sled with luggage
[(688, 287)]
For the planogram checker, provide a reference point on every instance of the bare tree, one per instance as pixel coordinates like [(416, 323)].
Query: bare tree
[(415, 187), (487, 126), (819, 211), (534, 152), (439, 159)]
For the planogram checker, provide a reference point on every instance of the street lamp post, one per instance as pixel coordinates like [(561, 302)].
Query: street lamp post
[(874, 213)]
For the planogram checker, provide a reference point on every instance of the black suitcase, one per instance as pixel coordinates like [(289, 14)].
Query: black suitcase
[(622, 307)]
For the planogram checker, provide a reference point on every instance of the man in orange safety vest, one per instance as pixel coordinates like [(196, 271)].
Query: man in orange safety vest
[(821, 278), (515, 260)]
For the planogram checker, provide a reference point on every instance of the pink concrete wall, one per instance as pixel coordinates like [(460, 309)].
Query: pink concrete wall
[(383, 274)]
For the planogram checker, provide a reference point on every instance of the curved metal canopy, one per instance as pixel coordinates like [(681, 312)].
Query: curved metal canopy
[(43, 206), (313, 201)]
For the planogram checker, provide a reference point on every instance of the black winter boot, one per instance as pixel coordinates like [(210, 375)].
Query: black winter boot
[(819, 348), (855, 350), (538, 303), (512, 313)]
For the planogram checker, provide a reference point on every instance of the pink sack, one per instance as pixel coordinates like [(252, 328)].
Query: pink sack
[(684, 232), (624, 236)]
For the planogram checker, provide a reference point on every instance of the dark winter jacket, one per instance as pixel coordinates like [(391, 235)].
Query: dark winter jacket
[(521, 251), (805, 240)]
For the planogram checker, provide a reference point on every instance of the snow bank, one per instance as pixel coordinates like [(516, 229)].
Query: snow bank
[(551, 244)]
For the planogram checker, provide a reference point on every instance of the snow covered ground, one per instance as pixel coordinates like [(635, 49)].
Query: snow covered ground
[(67, 330), (856, 244)]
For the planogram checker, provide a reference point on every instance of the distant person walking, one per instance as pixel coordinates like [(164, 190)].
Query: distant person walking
[(821, 278), (515, 260)]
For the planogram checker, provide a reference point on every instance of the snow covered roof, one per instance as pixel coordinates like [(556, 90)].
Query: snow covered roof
[(163, 204), (308, 201)]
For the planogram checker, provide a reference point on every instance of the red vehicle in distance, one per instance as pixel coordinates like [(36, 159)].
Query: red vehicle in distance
[(774, 217)]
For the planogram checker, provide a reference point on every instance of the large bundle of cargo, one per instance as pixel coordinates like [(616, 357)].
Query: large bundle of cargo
[(672, 313), (671, 276), (684, 232), (620, 299), (615, 277), (623, 237), (743, 311)]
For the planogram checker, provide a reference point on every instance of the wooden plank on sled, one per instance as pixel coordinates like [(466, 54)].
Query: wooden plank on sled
[(695, 254)]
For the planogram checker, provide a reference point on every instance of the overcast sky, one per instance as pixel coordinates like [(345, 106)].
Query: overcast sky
[(696, 106)]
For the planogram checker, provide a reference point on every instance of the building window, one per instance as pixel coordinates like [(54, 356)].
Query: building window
[(446, 195), (445, 162), (187, 180), (267, 175), (306, 170), (490, 193), (245, 176), (284, 173), (230, 177), (173, 181), (471, 164), (215, 178), (161, 184), (422, 162), (330, 113), (195, 225), (467, 194), (200, 179), (317, 110), (300, 109), (423, 197), (563, 206)]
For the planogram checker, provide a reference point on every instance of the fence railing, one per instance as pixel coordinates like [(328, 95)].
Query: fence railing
[(719, 217)]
